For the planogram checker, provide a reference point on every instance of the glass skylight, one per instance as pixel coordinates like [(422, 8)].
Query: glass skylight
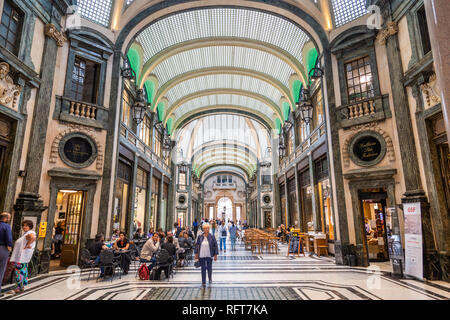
[(98, 11), (223, 56), (223, 22), (346, 11), (209, 134)]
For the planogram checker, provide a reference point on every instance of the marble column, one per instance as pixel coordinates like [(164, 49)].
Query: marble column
[(286, 213), (438, 16), (148, 209), (132, 200), (408, 154)]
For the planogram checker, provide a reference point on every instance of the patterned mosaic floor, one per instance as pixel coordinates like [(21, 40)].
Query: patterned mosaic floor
[(239, 275)]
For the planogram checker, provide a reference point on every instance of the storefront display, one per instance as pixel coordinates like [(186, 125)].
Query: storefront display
[(140, 199), (154, 204), (121, 196), (375, 225)]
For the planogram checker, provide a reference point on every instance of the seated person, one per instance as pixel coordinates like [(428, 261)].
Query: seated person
[(150, 247), (95, 248), (185, 244), (115, 235), (169, 246), (175, 240), (123, 244), (138, 235), (189, 233)]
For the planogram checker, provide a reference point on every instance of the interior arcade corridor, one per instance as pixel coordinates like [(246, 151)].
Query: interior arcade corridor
[(241, 275), (324, 122)]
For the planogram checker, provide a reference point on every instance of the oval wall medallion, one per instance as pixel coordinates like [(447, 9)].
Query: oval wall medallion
[(77, 150), (367, 148)]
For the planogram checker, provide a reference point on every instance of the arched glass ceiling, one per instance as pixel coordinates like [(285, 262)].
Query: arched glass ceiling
[(228, 129), (222, 100), (227, 81), (222, 22), (223, 56)]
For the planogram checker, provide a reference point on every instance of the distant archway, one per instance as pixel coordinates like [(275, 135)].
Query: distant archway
[(225, 209)]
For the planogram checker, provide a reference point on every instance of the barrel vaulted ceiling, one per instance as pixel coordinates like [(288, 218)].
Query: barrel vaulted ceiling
[(212, 62)]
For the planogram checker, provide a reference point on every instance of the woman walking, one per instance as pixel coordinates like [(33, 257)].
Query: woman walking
[(21, 255), (205, 251), (223, 233), (213, 227), (233, 235)]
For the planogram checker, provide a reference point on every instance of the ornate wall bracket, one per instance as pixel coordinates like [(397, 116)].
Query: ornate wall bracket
[(9, 91), (73, 129), (390, 30), (52, 32), (430, 91)]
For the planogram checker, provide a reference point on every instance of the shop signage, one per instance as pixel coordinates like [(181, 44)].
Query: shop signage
[(78, 150), (42, 229), (413, 240), (367, 148)]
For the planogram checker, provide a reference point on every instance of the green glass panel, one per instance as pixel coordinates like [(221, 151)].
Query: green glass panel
[(286, 110), (150, 89), (135, 61)]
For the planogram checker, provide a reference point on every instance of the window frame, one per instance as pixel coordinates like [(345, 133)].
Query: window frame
[(83, 48), (352, 55), (19, 31)]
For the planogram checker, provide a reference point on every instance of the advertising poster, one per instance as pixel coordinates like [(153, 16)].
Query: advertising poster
[(413, 240)]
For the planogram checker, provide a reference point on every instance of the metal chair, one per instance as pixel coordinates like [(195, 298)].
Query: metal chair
[(107, 261), (86, 262)]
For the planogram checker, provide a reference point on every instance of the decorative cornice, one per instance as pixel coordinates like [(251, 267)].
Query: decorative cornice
[(52, 32), (390, 30), (9, 91)]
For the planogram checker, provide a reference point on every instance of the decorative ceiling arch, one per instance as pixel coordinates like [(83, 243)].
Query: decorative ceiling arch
[(271, 104), (151, 64), (163, 90), (224, 109)]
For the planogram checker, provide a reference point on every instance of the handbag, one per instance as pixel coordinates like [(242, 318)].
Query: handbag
[(197, 264)]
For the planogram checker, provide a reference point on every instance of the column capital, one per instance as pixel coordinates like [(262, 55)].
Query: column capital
[(390, 30), (52, 32)]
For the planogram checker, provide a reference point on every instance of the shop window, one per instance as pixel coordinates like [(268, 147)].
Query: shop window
[(293, 214), (322, 169), (154, 204), (121, 196), (317, 102), (359, 80), (157, 145), (423, 30), (283, 204), (140, 199), (290, 141), (182, 181), (11, 28), (85, 80), (306, 200), (266, 179), (145, 130)]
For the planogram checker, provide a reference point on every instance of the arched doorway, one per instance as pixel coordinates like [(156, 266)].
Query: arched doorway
[(225, 209)]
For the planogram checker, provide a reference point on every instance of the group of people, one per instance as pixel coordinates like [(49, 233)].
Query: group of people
[(21, 252)]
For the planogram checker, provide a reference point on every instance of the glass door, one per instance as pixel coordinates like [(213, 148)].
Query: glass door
[(73, 226)]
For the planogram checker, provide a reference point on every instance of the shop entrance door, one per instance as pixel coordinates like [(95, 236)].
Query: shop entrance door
[(75, 205), (373, 206)]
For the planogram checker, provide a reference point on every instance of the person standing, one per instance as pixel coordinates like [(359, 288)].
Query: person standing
[(213, 227), (233, 230), (5, 244), (206, 250), (195, 228), (21, 255), (223, 233)]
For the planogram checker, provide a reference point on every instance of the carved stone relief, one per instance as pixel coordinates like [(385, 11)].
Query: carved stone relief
[(9, 91)]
